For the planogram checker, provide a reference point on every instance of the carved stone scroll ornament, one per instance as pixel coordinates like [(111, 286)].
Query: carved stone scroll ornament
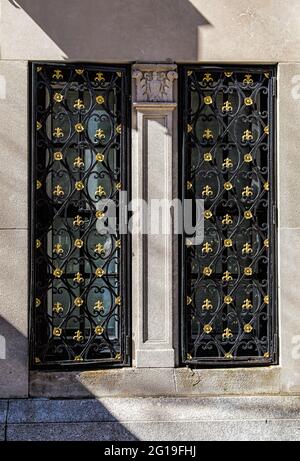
[(155, 83)]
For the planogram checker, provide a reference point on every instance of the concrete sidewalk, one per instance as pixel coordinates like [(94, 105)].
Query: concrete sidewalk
[(156, 419)]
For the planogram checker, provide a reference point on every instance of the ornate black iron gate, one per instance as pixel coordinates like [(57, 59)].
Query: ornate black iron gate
[(228, 281), (80, 158)]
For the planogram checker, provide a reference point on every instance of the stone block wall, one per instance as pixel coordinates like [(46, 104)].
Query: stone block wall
[(161, 31)]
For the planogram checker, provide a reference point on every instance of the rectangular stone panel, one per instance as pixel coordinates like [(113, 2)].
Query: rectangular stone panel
[(289, 310), (13, 144), (288, 159), (13, 314), (283, 430)]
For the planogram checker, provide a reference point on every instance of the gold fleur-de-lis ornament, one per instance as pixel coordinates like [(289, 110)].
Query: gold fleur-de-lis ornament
[(57, 308), (207, 191), (98, 306), (247, 135), (100, 134), (100, 192), (207, 248), (247, 304), (227, 277), (78, 162), (99, 77), (207, 305), (99, 248), (227, 107), (247, 79), (78, 336), (58, 133), (57, 74), (207, 134), (78, 278), (247, 191), (78, 221), (227, 333), (227, 219), (58, 249), (247, 249), (58, 191), (227, 163), (207, 77), (78, 104)]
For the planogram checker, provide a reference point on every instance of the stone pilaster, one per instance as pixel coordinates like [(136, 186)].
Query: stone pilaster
[(13, 229), (153, 146)]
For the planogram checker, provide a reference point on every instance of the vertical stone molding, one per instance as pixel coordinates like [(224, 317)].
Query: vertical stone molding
[(13, 229), (153, 146), (288, 162)]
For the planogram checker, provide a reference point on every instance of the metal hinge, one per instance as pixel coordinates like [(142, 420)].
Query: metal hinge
[(128, 345), (275, 344), (274, 215), (274, 87)]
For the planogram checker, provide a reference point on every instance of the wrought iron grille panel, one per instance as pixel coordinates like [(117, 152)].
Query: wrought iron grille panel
[(228, 282), (80, 156)]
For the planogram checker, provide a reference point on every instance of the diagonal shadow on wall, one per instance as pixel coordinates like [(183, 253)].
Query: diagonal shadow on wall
[(119, 30), (92, 30), (47, 419)]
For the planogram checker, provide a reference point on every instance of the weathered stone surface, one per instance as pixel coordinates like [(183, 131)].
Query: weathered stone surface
[(289, 309), (240, 31), (232, 381), (154, 82), (152, 166), (176, 409), (13, 144), (3, 411), (13, 314), (55, 30), (279, 430), (235, 31), (3, 418), (216, 418), (156, 382), (121, 382), (288, 148), (25, 34), (51, 411), (219, 418), (69, 432)]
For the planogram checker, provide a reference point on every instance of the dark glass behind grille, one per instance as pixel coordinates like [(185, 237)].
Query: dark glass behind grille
[(79, 158), (228, 294)]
